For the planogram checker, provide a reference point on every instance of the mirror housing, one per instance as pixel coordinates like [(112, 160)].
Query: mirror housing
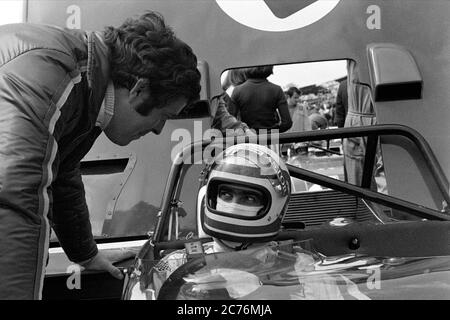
[(394, 73)]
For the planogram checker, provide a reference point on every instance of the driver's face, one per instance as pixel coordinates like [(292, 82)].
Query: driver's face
[(240, 195)]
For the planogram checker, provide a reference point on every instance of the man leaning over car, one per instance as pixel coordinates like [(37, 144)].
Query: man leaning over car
[(59, 89)]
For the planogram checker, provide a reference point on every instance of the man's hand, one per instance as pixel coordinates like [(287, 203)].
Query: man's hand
[(250, 133), (244, 132), (103, 261)]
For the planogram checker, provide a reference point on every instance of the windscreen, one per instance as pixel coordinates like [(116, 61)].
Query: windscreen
[(295, 271)]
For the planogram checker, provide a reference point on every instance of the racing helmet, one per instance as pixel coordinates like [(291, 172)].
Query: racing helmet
[(255, 173)]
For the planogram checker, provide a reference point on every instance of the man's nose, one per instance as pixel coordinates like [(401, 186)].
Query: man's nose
[(235, 199)]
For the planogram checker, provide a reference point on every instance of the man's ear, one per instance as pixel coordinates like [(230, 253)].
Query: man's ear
[(141, 87), (140, 93)]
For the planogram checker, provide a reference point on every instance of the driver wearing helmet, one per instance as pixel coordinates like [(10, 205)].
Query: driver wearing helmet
[(241, 205), (247, 193)]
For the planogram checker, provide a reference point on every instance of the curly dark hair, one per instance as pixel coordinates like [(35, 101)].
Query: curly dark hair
[(290, 92), (145, 47), (260, 72), (234, 77)]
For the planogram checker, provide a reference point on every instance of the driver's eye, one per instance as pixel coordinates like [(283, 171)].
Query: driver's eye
[(225, 195), (250, 199)]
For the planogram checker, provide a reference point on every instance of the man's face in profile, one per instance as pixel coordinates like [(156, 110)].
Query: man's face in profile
[(127, 124), (292, 101)]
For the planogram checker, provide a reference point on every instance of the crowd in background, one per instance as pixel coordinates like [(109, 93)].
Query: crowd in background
[(250, 101), (327, 108)]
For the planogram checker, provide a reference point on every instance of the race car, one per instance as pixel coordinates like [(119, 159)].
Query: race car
[(365, 245), (400, 51)]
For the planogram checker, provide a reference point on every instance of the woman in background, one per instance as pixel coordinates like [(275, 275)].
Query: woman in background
[(261, 103)]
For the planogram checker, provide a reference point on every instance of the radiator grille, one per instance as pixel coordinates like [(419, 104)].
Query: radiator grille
[(315, 208)]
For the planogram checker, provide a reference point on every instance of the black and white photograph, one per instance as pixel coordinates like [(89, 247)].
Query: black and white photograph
[(241, 152)]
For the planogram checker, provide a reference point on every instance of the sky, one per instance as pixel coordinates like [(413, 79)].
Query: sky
[(11, 11), (305, 74)]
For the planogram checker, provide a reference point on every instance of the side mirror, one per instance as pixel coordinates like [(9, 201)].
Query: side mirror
[(394, 73)]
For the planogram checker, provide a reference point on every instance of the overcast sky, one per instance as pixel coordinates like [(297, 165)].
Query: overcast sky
[(305, 74), (11, 11)]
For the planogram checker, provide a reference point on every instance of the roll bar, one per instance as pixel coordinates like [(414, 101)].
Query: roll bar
[(179, 168)]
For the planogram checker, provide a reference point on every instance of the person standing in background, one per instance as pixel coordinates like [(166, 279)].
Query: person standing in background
[(298, 111), (292, 98), (361, 112), (223, 109), (262, 104), (318, 121), (341, 104), (300, 120)]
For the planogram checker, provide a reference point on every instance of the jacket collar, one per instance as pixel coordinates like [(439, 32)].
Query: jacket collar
[(107, 109), (94, 63), (255, 80), (98, 72)]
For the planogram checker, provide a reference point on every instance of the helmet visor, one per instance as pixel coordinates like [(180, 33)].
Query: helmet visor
[(233, 199)]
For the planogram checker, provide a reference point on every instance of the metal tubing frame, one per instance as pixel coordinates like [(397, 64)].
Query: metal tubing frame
[(369, 161), (179, 168)]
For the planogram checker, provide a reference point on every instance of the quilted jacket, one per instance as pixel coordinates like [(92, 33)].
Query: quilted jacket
[(52, 85)]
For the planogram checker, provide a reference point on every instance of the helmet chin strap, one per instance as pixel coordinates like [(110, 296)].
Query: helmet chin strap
[(233, 245)]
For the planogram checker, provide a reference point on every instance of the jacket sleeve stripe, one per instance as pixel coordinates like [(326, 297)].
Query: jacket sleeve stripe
[(48, 173), (51, 129)]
